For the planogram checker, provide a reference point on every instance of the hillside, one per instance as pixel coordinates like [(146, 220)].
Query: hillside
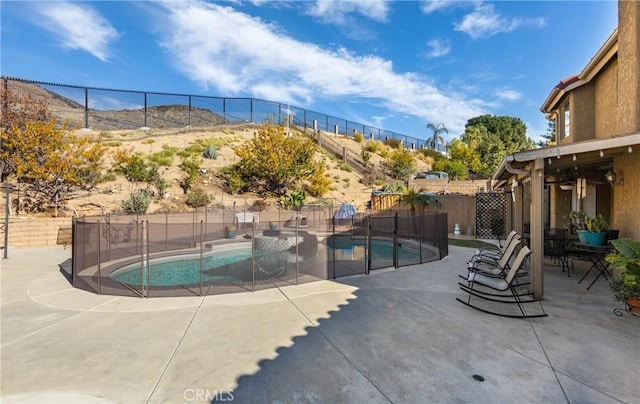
[(162, 127), (347, 186)]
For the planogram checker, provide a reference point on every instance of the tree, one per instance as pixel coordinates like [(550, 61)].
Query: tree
[(272, 161), (550, 136), (51, 161), (467, 155), (401, 163), (494, 137), (436, 139), (17, 110)]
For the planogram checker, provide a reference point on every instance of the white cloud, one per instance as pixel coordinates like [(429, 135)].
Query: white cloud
[(485, 22), (438, 48), (431, 6), (337, 11), (510, 95), (77, 27), (242, 55)]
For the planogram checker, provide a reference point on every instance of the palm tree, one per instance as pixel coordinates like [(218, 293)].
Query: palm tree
[(436, 138)]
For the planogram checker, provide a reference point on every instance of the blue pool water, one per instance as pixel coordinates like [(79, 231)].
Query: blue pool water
[(185, 271), (234, 266)]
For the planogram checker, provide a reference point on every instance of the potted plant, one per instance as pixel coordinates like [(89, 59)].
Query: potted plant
[(577, 218), (230, 231), (626, 286), (597, 230)]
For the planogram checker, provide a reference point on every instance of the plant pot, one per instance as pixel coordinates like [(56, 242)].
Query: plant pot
[(597, 239), (230, 231), (582, 235), (633, 304), (273, 225)]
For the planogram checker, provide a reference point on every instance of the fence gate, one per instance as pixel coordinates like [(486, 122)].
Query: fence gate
[(491, 215)]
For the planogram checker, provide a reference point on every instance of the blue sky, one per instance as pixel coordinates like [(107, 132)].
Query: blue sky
[(396, 65)]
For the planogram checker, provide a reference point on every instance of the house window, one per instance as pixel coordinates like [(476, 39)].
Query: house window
[(567, 121)]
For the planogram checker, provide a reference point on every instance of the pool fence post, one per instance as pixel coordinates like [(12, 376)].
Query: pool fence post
[(206, 219), (108, 223), (193, 227), (7, 211), (395, 240), (420, 237), (201, 258), (253, 259), (333, 250), (99, 257), (367, 250), (148, 259), (297, 256), (166, 230), (74, 251), (139, 236)]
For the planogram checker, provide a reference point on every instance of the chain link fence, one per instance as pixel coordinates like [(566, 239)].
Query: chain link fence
[(104, 109)]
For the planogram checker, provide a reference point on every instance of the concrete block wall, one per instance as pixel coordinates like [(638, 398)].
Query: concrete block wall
[(34, 232)]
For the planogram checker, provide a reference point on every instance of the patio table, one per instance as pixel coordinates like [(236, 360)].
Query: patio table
[(595, 255)]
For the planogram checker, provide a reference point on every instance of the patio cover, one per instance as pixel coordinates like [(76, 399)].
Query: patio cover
[(531, 164)]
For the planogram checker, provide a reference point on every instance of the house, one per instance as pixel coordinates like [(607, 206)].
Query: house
[(595, 165)]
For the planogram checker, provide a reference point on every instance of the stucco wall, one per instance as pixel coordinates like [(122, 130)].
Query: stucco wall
[(606, 102), (582, 113), (629, 69), (626, 195)]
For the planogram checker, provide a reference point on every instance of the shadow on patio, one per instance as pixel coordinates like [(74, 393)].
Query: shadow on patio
[(405, 339)]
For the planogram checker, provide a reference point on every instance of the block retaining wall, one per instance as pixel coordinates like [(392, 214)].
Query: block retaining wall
[(34, 232)]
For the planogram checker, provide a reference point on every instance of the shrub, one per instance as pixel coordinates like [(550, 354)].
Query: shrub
[(190, 166), (138, 202), (197, 197), (436, 155), (234, 183), (272, 161), (373, 146), (366, 156), (401, 163), (260, 204), (357, 136), (320, 183), (210, 153), (393, 143), (162, 158), (293, 199)]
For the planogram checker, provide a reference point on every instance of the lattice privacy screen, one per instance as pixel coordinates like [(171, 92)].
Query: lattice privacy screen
[(491, 215)]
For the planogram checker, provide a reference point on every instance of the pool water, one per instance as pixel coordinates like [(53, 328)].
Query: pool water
[(185, 271), (234, 266)]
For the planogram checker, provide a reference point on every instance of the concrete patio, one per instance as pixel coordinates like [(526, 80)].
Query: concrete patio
[(393, 336)]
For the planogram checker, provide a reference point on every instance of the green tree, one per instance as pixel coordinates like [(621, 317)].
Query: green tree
[(17, 109), (550, 136), (456, 169), (494, 137), (273, 162), (465, 154), (401, 163), (435, 138), (51, 161)]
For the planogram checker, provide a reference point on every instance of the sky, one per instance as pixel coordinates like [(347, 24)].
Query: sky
[(394, 65)]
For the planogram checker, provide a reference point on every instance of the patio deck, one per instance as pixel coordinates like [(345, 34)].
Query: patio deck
[(393, 336)]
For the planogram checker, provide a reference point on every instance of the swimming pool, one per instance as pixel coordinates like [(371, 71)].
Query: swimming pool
[(234, 266)]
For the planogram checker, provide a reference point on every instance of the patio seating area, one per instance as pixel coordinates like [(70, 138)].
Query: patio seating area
[(395, 335)]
